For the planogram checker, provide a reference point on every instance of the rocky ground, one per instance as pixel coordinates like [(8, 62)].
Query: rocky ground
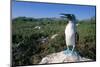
[(63, 56)]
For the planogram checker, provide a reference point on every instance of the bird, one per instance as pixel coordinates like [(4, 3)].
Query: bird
[(71, 35)]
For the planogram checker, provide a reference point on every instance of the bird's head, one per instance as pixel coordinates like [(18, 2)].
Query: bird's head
[(68, 16)]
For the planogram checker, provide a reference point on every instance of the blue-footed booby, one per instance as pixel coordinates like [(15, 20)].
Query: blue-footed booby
[(71, 34)]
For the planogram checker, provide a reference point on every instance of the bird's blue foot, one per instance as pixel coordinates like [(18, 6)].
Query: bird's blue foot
[(71, 53), (68, 52)]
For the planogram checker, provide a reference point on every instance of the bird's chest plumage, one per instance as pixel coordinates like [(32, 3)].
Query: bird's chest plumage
[(70, 29), (70, 34)]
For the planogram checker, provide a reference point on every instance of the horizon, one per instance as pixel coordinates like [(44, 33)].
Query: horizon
[(51, 10)]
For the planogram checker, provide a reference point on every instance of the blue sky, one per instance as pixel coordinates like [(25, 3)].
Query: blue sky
[(42, 10)]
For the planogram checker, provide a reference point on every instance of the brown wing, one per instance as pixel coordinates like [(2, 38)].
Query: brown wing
[(76, 38)]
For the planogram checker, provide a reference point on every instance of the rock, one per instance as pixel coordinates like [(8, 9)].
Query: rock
[(63, 56), (43, 39), (37, 27), (53, 36)]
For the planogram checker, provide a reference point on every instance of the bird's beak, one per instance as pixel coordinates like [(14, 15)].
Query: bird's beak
[(65, 15)]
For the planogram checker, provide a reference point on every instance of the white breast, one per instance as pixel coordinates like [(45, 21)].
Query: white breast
[(70, 34)]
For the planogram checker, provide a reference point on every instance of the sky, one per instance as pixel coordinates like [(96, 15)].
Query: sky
[(44, 10)]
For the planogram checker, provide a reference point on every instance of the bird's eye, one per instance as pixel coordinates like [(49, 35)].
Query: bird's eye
[(71, 15)]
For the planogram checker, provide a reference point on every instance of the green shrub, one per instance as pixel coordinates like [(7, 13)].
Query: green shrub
[(27, 47)]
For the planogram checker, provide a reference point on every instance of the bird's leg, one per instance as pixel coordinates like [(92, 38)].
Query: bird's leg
[(67, 47), (73, 49)]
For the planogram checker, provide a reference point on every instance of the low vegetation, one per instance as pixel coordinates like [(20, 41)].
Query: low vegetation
[(31, 39)]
